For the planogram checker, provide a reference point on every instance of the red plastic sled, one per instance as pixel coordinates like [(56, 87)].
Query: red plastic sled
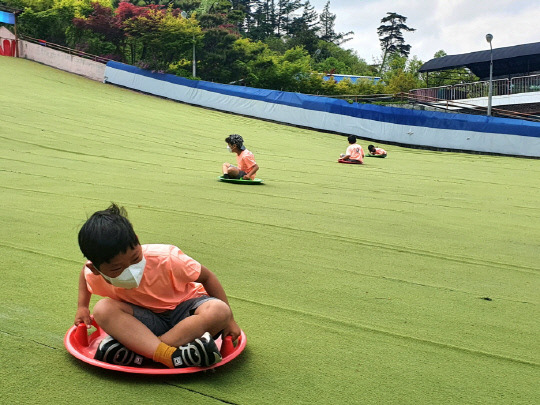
[(83, 346), (349, 162)]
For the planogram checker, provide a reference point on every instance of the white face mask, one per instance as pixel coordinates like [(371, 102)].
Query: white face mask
[(229, 149), (130, 277)]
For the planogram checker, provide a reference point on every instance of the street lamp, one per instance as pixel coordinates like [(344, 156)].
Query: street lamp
[(194, 63), (489, 38)]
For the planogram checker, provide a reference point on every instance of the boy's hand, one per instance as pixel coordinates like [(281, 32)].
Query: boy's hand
[(83, 315), (232, 329)]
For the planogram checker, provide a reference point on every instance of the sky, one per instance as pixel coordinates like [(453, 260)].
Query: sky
[(454, 26)]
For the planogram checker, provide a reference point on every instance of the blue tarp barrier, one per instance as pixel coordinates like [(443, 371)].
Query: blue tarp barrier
[(399, 116)]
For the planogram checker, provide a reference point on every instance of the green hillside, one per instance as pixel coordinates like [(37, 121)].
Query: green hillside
[(410, 280)]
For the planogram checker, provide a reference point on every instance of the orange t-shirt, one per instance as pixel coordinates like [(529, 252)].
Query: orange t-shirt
[(168, 280), (355, 152), (379, 151), (246, 161)]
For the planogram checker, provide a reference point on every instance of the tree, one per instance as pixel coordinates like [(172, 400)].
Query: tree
[(160, 37), (51, 23), (391, 37), (327, 21), (264, 20), (217, 56), (285, 14), (349, 62), (304, 29), (101, 33)]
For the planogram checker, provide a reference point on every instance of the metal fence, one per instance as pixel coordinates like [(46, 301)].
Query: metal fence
[(65, 49), (522, 84)]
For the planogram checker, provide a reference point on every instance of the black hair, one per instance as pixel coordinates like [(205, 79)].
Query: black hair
[(371, 147), (351, 138), (235, 139), (106, 234)]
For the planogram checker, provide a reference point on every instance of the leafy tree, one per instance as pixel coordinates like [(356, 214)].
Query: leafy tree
[(101, 33), (187, 5), (51, 24), (162, 36), (332, 64), (104, 31), (294, 69), (391, 37), (348, 60), (402, 82), (247, 51), (402, 74), (217, 56)]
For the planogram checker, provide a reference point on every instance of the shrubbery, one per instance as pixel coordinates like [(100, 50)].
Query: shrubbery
[(162, 38)]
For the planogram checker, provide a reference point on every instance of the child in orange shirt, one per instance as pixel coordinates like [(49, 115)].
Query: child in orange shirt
[(374, 151), (161, 304), (354, 152), (247, 167)]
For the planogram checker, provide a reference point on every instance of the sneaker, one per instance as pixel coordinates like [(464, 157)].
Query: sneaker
[(112, 351), (202, 352)]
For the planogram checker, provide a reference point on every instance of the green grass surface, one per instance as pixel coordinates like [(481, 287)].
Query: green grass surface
[(354, 284)]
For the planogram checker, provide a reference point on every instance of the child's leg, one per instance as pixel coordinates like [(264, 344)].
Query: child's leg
[(116, 318), (211, 316), (233, 172), (225, 168)]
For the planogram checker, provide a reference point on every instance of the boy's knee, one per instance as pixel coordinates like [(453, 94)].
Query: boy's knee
[(104, 308), (218, 310), (101, 309)]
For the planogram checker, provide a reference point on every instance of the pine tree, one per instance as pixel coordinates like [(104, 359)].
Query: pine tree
[(304, 29), (262, 20), (391, 37), (285, 15), (327, 21)]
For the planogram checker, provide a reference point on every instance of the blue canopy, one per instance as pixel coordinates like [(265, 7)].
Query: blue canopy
[(7, 18), (510, 60)]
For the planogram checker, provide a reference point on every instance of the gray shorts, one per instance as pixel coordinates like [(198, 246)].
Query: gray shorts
[(161, 322), (241, 174)]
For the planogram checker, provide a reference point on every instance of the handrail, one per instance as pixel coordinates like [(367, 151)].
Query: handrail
[(434, 102), (515, 85), (447, 104), (65, 49), (359, 97)]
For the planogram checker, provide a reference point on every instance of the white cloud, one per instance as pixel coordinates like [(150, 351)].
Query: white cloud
[(455, 26)]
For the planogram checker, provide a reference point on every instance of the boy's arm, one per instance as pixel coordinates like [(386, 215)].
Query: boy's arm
[(214, 288), (253, 171), (83, 311)]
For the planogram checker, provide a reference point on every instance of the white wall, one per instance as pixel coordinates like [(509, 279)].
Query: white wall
[(464, 138), (509, 99), (57, 59), (6, 34), (61, 60)]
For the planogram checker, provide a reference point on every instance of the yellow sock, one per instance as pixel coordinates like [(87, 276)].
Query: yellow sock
[(163, 354)]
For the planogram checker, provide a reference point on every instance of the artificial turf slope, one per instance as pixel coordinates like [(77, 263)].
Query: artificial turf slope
[(411, 279)]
